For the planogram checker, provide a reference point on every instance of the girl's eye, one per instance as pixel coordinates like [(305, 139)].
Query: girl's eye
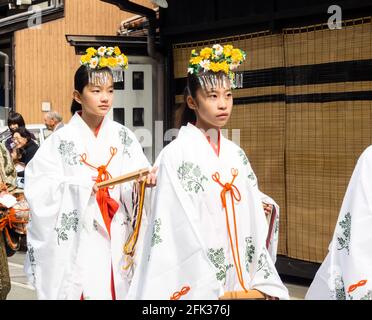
[(95, 90)]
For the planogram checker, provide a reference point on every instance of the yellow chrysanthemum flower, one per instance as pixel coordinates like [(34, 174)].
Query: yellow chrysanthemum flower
[(206, 53), (125, 58), (103, 62), (117, 51), (85, 58), (236, 55), (224, 67), (91, 51), (215, 67), (196, 60), (227, 50), (112, 62)]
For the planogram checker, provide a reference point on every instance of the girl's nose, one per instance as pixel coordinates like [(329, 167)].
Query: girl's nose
[(104, 97), (222, 103)]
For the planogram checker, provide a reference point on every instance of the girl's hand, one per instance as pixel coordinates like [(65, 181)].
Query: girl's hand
[(150, 178), (268, 208), (95, 188)]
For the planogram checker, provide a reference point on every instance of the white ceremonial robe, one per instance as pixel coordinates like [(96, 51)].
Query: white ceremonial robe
[(273, 237), (186, 247), (70, 251), (346, 272)]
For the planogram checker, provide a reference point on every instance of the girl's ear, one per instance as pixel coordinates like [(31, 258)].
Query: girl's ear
[(191, 103), (76, 96)]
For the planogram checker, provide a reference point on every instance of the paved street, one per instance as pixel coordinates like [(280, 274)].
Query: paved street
[(21, 290)]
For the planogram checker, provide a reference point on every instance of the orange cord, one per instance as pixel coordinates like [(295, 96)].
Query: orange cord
[(9, 220), (102, 194), (356, 285), (234, 194), (178, 294), (129, 247), (103, 174)]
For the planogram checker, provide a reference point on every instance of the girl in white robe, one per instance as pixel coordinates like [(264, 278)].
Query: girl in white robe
[(346, 272), (77, 232), (207, 232)]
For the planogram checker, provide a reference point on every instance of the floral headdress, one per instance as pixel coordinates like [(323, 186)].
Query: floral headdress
[(218, 59), (103, 57)]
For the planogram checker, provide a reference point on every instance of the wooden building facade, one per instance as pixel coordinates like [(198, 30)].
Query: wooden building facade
[(44, 62)]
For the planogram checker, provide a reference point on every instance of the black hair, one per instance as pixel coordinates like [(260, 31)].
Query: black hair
[(24, 133), (81, 79), (16, 118), (192, 86)]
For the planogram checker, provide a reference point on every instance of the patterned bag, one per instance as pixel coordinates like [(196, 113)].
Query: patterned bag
[(13, 223)]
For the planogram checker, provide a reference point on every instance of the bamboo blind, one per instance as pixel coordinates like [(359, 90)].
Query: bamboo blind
[(323, 140)]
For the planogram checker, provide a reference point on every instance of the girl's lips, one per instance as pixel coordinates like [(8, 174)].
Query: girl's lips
[(222, 115)]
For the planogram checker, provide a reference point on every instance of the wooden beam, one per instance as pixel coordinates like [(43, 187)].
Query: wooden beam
[(242, 295)]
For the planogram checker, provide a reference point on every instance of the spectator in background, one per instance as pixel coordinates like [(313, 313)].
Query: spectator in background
[(15, 121), (53, 120), (25, 147)]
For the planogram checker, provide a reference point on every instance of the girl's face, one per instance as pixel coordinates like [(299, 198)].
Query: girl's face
[(212, 107), (96, 99), (19, 140), (13, 126)]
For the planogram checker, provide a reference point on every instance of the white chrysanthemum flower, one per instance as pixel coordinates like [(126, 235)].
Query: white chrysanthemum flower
[(205, 64), (101, 51), (120, 60), (190, 70), (218, 49), (110, 51), (93, 63)]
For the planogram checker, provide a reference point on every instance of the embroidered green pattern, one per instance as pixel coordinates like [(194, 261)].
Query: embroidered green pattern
[(68, 222), (155, 233), (245, 161), (95, 225), (344, 240), (251, 176), (249, 252), (191, 177), (126, 140), (68, 152), (339, 292), (263, 264), (242, 155), (30, 251), (217, 257), (367, 296)]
